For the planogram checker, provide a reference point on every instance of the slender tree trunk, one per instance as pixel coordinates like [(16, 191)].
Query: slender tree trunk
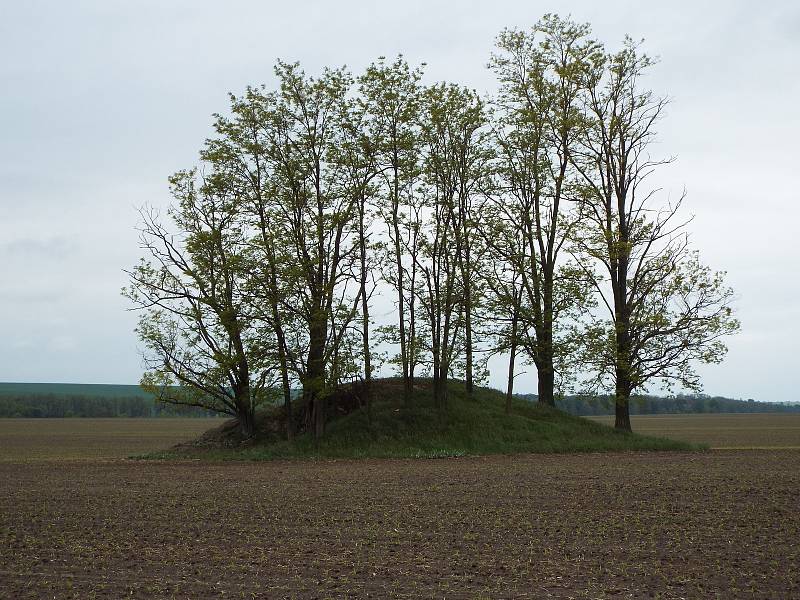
[(368, 383), (367, 388), (544, 364), (412, 322), (283, 364), (446, 346), (398, 257), (287, 390), (412, 352), (401, 310), (444, 367), (512, 358), (436, 351), (468, 336), (466, 274), (278, 325)]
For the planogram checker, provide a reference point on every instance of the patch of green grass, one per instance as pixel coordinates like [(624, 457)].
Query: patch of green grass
[(469, 426)]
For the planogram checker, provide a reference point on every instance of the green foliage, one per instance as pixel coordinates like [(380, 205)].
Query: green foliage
[(538, 124), (497, 225)]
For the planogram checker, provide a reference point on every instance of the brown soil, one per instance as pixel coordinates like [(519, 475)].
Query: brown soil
[(720, 524)]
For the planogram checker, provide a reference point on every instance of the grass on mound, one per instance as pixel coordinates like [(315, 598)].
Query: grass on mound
[(469, 426)]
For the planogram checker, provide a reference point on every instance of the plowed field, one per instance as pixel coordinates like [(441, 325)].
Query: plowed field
[(721, 524)]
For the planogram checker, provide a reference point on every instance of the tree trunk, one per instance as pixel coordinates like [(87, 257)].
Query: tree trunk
[(315, 377), (287, 395), (465, 275), (468, 338), (282, 359), (622, 395), (242, 396), (622, 339), (442, 380), (247, 422), (402, 319), (398, 258), (277, 324), (544, 366), (412, 320), (546, 378), (245, 413), (512, 359), (319, 416), (367, 358), (546, 372), (362, 243), (436, 351), (623, 386), (445, 348), (412, 333)]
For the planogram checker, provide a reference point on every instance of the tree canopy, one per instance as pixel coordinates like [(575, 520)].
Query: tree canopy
[(520, 224)]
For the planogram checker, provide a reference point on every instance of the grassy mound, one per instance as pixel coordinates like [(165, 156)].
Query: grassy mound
[(469, 426)]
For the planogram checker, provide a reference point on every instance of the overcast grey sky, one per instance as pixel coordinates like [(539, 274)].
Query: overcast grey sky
[(101, 101)]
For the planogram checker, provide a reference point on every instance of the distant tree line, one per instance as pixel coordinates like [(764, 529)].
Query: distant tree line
[(522, 224), (36, 405), (32, 405), (678, 404)]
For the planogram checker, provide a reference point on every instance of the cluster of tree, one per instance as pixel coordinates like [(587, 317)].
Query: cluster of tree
[(520, 224), (72, 405), (677, 404)]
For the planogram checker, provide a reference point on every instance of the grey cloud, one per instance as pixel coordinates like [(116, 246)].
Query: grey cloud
[(53, 248), (103, 100)]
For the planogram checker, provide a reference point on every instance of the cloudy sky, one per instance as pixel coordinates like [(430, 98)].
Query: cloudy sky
[(101, 101)]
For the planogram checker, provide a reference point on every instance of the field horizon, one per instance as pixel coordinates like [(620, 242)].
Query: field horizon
[(577, 405), (55, 439)]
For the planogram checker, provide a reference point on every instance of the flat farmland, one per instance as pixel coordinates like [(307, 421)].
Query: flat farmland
[(723, 431), (82, 439), (717, 524)]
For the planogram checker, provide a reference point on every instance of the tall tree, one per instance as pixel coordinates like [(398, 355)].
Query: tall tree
[(358, 153), (541, 73), (503, 281), (472, 163), (453, 131), (202, 345), (320, 221), (238, 155), (667, 311), (391, 96)]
